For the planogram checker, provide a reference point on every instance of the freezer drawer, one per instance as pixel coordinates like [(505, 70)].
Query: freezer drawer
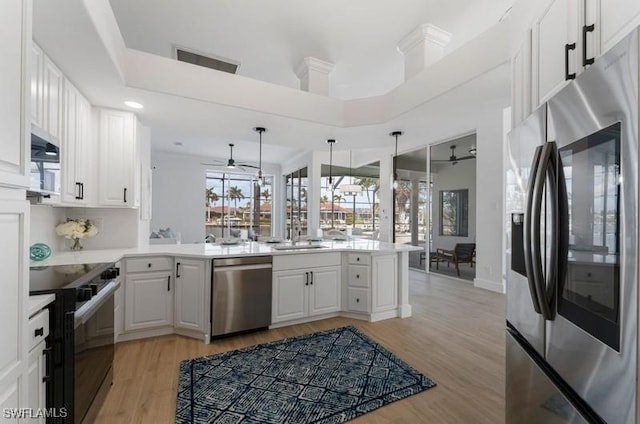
[(531, 396)]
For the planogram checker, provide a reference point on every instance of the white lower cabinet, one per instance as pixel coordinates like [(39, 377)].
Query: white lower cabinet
[(371, 285), (148, 294), (36, 384), (191, 294), (302, 290)]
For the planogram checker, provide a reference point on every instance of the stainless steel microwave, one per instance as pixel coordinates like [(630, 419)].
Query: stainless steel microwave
[(45, 166)]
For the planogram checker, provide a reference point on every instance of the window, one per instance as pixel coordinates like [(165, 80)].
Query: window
[(236, 202), (454, 213), (296, 200)]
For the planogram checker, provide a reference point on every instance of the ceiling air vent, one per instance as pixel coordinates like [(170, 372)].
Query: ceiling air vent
[(206, 61)]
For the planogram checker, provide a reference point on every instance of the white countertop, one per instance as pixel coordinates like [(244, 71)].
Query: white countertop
[(39, 301), (207, 250)]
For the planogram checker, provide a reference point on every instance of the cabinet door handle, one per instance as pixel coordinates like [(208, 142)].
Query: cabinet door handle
[(39, 332), (47, 354), (79, 189), (306, 278), (357, 300), (358, 276), (125, 195), (358, 259), (178, 270), (311, 273), (168, 283), (567, 48), (586, 29)]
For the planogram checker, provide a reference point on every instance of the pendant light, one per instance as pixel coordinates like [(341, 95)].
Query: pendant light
[(350, 189), (331, 142), (395, 134), (260, 130)]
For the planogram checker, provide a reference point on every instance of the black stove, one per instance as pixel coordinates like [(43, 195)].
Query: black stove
[(81, 334), (86, 280)]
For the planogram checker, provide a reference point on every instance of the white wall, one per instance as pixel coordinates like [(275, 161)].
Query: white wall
[(453, 177), (43, 224)]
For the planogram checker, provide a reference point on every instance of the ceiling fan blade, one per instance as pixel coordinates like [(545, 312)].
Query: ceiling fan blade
[(246, 165), (467, 157)]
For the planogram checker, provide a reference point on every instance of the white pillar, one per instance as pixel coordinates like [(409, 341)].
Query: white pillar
[(314, 75), (422, 47)]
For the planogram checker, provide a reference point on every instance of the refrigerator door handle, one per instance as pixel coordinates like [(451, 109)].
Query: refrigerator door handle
[(544, 284), (527, 233)]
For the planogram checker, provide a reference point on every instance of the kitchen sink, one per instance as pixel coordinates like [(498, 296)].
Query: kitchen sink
[(298, 247)]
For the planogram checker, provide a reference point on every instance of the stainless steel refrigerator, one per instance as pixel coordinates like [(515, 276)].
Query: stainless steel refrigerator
[(572, 284)]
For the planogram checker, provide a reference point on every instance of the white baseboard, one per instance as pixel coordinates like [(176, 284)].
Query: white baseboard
[(404, 311), (489, 285)]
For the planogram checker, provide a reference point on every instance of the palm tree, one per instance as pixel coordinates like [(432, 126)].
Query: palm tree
[(266, 194), (211, 196), (338, 198), (367, 183), (324, 199), (235, 194)]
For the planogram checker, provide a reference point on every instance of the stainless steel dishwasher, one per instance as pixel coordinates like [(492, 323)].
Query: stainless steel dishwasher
[(241, 294)]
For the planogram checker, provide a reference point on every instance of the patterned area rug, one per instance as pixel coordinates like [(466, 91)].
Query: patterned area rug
[(327, 377)]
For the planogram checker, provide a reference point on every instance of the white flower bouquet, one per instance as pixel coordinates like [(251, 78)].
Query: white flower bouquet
[(76, 230)]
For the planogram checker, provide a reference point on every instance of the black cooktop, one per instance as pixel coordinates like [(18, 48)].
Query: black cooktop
[(44, 278)]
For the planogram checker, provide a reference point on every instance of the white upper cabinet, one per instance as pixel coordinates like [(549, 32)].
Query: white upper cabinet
[(556, 45), (521, 81), (37, 85), (75, 147), (117, 157), (52, 101), (14, 98), (617, 18)]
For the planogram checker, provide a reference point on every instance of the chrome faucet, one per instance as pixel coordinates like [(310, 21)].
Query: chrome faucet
[(296, 229)]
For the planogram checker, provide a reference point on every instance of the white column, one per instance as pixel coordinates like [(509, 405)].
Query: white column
[(422, 47), (314, 75)]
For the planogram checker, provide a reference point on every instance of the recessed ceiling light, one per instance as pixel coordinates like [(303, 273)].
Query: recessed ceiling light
[(177, 143), (133, 105)]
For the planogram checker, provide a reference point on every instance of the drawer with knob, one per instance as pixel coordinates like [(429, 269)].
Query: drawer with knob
[(358, 275), (38, 328), (155, 263), (358, 300), (359, 259)]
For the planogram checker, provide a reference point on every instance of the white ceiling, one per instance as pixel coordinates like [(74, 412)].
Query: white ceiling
[(349, 33), (270, 38)]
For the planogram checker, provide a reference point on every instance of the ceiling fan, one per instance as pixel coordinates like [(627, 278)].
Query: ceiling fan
[(453, 159), (231, 163)]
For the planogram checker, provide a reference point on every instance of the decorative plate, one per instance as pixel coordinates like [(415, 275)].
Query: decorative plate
[(39, 252)]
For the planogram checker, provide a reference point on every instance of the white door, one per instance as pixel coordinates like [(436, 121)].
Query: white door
[(148, 300), (74, 146), (116, 140), (53, 81), (37, 82), (617, 19), (36, 386), (324, 290), (385, 283), (14, 98), (289, 295), (190, 294), (555, 35)]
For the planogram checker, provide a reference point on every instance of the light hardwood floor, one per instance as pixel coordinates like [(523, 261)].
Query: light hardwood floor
[(455, 336)]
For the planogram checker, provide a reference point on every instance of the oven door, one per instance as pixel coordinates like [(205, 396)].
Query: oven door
[(592, 343), (94, 350)]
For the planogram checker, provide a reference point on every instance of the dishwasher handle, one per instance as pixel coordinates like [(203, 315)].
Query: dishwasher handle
[(240, 267)]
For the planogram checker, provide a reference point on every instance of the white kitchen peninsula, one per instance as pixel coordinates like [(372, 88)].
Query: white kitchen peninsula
[(370, 282)]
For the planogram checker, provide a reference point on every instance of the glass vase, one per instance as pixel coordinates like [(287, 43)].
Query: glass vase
[(76, 245)]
